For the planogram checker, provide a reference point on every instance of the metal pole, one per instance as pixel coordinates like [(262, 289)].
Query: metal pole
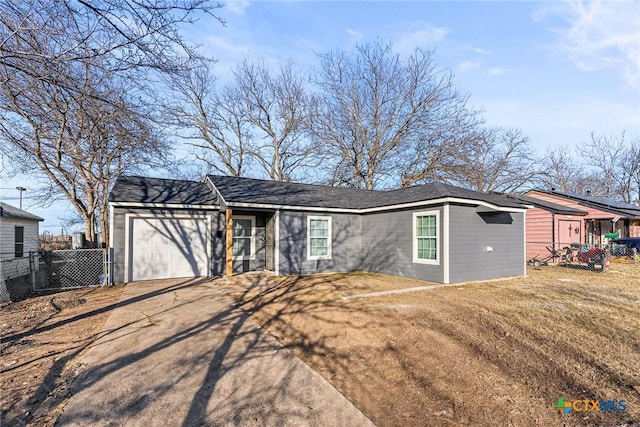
[(21, 189)]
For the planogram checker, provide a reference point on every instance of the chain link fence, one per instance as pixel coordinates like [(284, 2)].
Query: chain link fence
[(68, 269), (584, 256), (13, 276), (624, 254), (52, 271)]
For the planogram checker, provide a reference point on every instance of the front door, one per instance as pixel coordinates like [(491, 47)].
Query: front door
[(569, 231)]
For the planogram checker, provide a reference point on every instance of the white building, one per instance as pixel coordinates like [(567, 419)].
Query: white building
[(18, 236)]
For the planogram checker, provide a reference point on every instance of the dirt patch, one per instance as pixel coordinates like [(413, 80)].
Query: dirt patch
[(41, 340), (499, 353)]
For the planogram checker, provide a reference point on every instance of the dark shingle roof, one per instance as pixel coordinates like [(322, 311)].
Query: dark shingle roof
[(8, 211), (437, 190), (165, 191), (549, 206), (249, 190), (609, 205)]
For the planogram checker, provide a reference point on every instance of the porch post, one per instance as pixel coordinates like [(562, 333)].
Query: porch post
[(229, 243)]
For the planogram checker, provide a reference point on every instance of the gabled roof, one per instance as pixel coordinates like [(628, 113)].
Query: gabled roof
[(549, 206), (235, 190), (137, 189), (8, 211), (614, 206)]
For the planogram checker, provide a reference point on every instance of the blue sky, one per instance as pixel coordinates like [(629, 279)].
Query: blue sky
[(557, 70)]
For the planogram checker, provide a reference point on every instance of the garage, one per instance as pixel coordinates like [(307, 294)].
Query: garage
[(163, 248)]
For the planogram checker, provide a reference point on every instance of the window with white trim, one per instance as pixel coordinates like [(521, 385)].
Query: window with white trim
[(426, 237), (19, 241), (243, 231), (318, 237)]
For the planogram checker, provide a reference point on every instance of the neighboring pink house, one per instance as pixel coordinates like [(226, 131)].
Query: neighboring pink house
[(551, 225), (587, 219)]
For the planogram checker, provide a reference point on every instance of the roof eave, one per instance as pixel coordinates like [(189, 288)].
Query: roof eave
[(442, 200)]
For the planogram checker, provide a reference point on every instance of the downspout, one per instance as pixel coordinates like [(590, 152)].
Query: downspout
[(553, 231)]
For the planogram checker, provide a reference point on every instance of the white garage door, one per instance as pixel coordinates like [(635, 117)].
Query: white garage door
[(168, 248)]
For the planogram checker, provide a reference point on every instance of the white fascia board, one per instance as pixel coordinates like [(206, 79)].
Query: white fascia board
[(289, 207), (163, 205), (441, 201), (376, 209), (319, 209), (224, 202)]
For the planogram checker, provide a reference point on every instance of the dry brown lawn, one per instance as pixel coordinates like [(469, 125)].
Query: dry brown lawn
[(491, 353), (42, 338)]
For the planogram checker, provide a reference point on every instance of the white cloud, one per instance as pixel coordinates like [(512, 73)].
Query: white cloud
[(478, 50), (601, 36), (422, 35), (237, 7), (569, 121), (465, 66), (354, 36), (497, 71)]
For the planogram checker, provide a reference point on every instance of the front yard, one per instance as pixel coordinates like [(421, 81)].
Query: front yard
[(493, 353)]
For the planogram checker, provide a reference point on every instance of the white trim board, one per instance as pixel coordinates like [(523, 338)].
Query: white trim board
[(441, 200), (163, 205)]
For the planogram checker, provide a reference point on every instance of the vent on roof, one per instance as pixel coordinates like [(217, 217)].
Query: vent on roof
[(588, 192)]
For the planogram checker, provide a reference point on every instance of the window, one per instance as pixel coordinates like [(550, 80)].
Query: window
[(19, 242), (318, 237), (425, 237), (243, 228)]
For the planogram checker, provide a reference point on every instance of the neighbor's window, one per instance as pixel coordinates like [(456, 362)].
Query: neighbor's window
[(318, 237), (243, 237), (19, 242), (425, 237)]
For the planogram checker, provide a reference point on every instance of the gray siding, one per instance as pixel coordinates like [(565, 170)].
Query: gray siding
[(345, 244), (120, 240), (471, 233), (387, 245), (375, 242)]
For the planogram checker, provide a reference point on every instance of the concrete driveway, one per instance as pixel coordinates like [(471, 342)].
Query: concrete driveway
[(177, 353)]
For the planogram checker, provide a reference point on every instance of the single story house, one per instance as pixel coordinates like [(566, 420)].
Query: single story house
[(550, 226), (603, 218), (19, 232), (163, 228)]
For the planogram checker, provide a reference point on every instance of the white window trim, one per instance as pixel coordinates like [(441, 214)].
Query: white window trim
[(415, 238), (329, 238), (15, 242), (253, 237)]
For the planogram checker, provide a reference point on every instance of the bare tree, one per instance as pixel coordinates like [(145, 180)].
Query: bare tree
[(603, 155), (629, 173), (256, 119), (74, 74), (127, 35), (215, 122), (496, 160), (562, 170), (373, 112), (81, 144), (277, 109)]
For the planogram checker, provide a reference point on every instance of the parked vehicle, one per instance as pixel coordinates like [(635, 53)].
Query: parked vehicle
[(630, 242)]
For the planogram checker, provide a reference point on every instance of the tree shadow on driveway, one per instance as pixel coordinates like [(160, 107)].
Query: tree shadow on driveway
[(184, 354)]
